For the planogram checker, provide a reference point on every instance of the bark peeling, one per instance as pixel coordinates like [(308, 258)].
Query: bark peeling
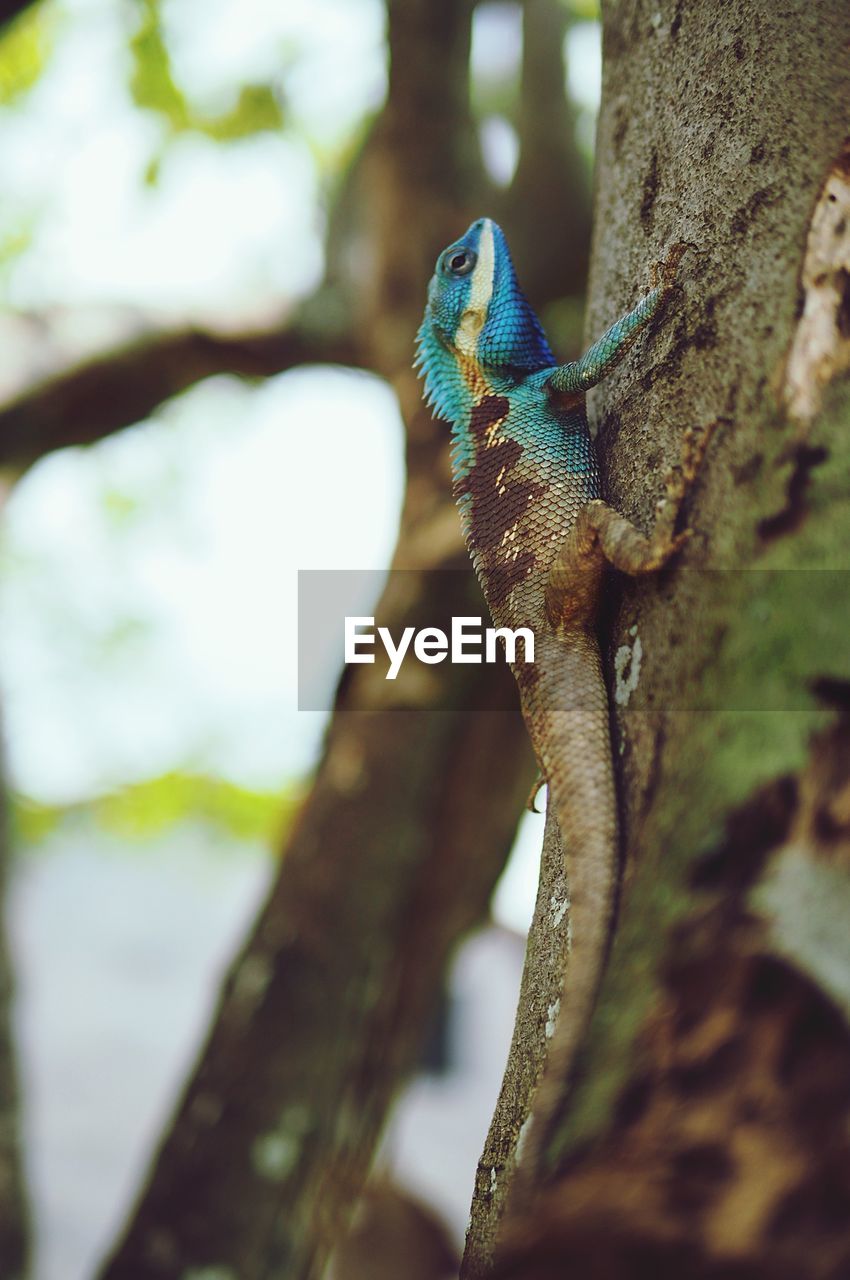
[(821, 347)]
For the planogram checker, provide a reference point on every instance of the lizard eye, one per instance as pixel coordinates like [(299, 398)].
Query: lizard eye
[(459, 262)]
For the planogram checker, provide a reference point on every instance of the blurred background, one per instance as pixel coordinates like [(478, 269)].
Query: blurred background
[(177, 167)]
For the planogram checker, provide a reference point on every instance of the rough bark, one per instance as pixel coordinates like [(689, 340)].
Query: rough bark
[(707, 1132)]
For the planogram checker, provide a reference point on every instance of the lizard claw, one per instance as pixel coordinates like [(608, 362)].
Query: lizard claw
[(695, 441), (681, 476), (678, 481), (663, 274)]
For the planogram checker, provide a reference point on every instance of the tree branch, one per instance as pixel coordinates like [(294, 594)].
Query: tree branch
[(325, 1010), (410, 818), (124, 386), (10, 9)]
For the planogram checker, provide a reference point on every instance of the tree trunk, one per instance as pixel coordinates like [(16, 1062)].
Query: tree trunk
[(709, 1130), (411, 815)]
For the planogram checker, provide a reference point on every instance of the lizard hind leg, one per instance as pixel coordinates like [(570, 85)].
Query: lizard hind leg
[(603, 533)]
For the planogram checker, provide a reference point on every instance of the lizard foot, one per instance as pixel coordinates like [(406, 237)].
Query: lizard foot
[(621, 543), (682, 475), (662, 275)]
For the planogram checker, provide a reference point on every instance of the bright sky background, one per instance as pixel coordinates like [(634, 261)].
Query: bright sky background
[(148, 584)]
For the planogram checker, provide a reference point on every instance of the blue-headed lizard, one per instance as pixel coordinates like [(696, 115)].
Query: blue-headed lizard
[(527, 483)]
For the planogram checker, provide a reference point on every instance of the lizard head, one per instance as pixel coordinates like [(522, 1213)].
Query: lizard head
[(477, 316)]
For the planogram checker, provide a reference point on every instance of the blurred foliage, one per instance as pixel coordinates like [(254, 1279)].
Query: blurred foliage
[(25, 47), (151, 808), (15, 238), (563, 321), (121, 508), (154, 88), (583, 10)]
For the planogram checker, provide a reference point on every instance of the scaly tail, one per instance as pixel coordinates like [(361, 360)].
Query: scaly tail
[(566, 706), (539, 997)]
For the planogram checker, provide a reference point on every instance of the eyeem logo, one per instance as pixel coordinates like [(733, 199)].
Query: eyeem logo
[(431, 645)]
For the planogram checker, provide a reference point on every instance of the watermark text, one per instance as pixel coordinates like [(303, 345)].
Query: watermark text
[(468, 641)]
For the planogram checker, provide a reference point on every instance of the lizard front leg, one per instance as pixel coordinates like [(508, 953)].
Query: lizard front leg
[(578, 377)]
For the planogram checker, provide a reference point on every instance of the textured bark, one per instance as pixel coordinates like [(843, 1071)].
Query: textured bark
[(707, 1132)]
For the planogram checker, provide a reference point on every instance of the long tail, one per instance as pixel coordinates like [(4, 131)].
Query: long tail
[(540, 993), (566, 707)]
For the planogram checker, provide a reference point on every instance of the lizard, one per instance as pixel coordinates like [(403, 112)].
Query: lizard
[(527, 482)]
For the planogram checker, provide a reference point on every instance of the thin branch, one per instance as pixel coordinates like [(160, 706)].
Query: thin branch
[(10, 9)]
